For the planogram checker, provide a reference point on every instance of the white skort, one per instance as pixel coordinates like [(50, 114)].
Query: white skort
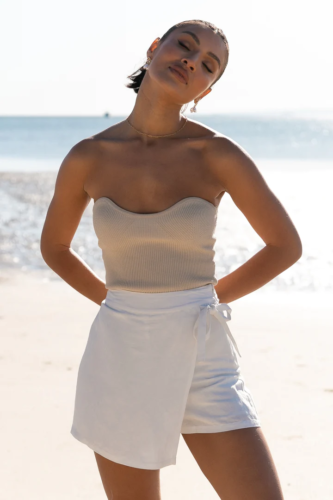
[(157, 365)]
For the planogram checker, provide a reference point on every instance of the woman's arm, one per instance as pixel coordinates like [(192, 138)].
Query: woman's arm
[(241, 178), (63, 217)]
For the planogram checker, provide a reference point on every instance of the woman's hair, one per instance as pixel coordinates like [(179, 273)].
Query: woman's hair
[(139, 74)]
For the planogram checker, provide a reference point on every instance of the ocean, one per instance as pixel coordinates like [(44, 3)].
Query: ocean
[(293, 153)]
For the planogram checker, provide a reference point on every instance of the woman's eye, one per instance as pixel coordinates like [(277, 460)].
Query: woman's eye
[(180, 43), (208, 68)]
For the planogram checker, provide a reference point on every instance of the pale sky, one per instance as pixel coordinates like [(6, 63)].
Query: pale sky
[(72, 57)]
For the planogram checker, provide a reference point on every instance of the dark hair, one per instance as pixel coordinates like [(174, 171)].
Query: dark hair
[(139, 74)]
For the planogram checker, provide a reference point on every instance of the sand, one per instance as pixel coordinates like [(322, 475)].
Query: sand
[(286, 343)]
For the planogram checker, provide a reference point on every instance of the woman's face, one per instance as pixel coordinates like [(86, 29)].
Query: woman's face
[(201, 54)]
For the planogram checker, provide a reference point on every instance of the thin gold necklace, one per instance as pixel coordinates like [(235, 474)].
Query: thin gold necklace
[(166, 135)]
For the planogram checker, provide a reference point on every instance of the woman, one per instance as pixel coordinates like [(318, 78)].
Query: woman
[(160, 360)]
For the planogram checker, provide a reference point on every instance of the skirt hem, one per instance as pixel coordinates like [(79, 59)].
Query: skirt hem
[(221, 428), (121, 460)]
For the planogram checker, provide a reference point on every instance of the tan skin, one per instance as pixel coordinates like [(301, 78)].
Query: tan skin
[(147, 175)]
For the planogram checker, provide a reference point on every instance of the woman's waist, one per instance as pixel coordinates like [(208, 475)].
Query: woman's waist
[(157, 302)]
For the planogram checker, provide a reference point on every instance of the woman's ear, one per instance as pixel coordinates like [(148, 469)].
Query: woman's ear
[(205, 93), (153, 46)]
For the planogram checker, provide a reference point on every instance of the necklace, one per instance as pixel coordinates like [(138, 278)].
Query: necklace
[(166, 135)]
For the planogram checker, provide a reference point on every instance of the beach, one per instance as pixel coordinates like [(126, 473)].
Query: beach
[(286, 342), (283, 330)]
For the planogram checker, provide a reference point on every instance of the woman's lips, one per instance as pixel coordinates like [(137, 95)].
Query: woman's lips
[(175, 72)]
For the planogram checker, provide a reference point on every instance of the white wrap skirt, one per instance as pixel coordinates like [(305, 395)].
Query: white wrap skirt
[(157, 365)]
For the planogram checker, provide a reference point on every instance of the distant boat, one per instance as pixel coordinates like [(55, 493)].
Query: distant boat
[(107, 115)]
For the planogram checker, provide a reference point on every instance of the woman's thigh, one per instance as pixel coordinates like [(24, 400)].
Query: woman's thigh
[(122, 482), (237, 463)]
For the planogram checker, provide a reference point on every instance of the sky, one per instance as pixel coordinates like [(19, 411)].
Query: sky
[(72, 57)]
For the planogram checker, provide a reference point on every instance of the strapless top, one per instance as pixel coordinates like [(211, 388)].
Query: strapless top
[(157, 252)]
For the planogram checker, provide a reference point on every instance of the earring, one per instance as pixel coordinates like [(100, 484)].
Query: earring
[(196, 102), (146, 66), (194, 109)]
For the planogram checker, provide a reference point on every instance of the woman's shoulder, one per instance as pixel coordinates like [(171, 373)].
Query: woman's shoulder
[(113, 133), (89, 147), (208, 137)]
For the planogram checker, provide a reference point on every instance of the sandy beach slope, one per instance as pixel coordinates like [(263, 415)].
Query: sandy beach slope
[(286, 342)]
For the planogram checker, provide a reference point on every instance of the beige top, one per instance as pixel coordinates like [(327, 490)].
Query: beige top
[(159, 252)]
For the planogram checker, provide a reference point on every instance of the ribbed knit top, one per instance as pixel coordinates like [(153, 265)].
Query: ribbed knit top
[(157, 252)]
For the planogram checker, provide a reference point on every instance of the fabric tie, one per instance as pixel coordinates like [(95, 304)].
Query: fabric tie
[(203, 332)]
